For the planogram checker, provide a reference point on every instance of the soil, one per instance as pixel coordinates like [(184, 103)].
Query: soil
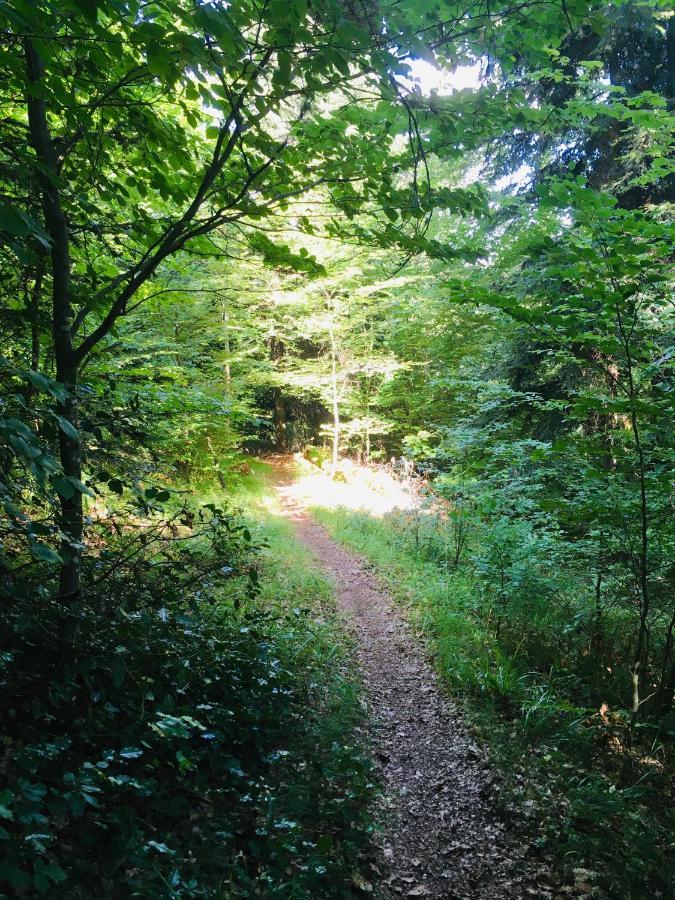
[(441, 836)]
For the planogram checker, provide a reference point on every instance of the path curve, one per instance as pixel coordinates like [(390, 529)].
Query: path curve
[(441, 837)]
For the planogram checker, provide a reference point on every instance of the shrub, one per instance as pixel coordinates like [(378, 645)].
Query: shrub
[(175, 746)]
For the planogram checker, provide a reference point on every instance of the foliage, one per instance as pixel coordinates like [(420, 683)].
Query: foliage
[(175, 747), (232, 226)]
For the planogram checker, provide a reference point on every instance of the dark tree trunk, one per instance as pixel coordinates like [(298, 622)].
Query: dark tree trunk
[(71, 518), (32, 299), (280, 440), (666, 688), (279, 401)]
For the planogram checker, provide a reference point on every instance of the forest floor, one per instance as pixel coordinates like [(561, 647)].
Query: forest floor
[(440, 834)]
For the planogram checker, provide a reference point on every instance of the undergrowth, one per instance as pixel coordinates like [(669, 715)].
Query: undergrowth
[(186, 728), (592, 793)]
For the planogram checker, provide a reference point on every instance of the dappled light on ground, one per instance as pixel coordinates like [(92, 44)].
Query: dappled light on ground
[(355, 487)]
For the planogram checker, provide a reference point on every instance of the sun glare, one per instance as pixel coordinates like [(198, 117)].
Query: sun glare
[(427, 77), (355, 487)]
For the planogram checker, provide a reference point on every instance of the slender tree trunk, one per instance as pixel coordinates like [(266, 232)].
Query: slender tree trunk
[(34, 312), (368, 398), (276, 353), (597, 629), (336, 402), (280, 421), (32, 299), (71, 517), (666, 689), (667, 692), (641, 648), (225, 318)]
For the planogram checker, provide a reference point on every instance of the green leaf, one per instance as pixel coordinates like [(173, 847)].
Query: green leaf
[(89, 9), (45, 553), (12, 221), (65, 487), (131, 752), (55, 873), (160, 847), (66, 427), (68, 486), (47, 385), (17, 223)]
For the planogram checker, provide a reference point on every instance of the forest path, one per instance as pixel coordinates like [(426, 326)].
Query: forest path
[(441, 838)]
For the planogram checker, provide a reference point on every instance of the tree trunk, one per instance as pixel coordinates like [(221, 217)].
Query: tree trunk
[(368, 423), (71, 516), (280, 442), (32, 298), (225, 318), (336, 402), (280, 421), (638, 669), (34, 312)]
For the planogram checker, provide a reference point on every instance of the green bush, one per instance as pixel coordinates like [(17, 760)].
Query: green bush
[(175, 746)]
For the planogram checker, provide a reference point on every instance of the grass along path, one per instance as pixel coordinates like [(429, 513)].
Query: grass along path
[(441, 837)]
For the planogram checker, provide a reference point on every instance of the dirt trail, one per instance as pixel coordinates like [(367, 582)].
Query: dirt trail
[(441, 837)]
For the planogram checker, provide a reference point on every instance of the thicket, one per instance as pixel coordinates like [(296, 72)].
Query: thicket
[(171, 734)]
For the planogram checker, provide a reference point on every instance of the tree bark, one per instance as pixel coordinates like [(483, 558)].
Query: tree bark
[(641, 652), (280, 421), (336, 402), (35, 318), (225, 319), (280, 437), (32, 299), (70, 452)]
